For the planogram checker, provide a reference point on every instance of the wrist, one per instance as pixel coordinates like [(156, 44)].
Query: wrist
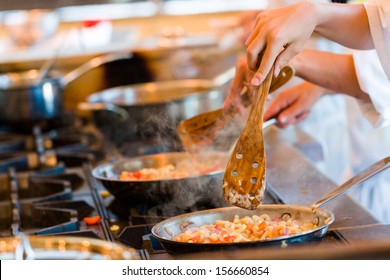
[(318, 12)]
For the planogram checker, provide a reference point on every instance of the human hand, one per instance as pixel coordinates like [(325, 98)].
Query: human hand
[(247, 22), (281, 34), (239, 87), (293, 105)]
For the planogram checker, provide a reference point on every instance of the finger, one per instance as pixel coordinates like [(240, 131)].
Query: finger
[(302, 116), (285, 56), (283, 101), (268, 59), (255, 31), (237, 84), (253, 50), (288, 115), (272, 111)]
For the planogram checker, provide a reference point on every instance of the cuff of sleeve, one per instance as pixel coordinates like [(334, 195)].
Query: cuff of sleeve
[(378, 22), (371, 114)]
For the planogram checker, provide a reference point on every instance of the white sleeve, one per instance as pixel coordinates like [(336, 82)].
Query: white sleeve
[(378, 12), (373, 81)]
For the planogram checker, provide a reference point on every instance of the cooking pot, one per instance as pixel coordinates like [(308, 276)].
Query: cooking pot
[(29, 96), (23, 247), (154, 108), (181, 192), (322, 218)]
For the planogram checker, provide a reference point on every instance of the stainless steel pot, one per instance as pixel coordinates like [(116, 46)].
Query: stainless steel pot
[(29, 97), (23, 247), (155, 108), (165, 230)]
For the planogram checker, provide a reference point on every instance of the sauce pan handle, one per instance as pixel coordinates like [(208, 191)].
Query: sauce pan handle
[(120, 112), (224, 77), (92, 64), (364, 175)]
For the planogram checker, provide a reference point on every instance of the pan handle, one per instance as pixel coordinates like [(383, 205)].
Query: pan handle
[(122, 113), (364, 175), (224, 77), (92, 64)]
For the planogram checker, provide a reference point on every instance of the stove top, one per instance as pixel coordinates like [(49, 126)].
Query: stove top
[(47, 188)]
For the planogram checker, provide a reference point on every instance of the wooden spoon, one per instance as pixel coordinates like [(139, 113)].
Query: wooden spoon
[(200, 131), (244, 179)]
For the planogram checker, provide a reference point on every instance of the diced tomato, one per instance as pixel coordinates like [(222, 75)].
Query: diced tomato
[(263, 225), (92, 220), (137, 175), (228, 239), (195, 239)]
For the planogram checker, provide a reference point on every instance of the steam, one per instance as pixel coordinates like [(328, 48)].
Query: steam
[(196, 193), (156, 127), (190, 194)]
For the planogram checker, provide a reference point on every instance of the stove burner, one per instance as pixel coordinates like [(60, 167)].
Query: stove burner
[(37, 150), (41, 203)]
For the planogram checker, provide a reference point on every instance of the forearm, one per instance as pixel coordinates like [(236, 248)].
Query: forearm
[(332, 71), (346, 24)]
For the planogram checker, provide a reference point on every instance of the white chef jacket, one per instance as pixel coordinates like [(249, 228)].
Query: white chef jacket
[(378, 12), (373, 67), (366, 143)]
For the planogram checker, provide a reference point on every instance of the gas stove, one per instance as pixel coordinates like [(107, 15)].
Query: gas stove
[(40, 175), (47, 188)]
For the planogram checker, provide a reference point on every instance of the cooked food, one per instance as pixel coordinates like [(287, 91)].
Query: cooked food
[(170, 171), (246, 229)]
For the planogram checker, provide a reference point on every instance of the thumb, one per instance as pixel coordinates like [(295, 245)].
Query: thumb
[(285, 56)]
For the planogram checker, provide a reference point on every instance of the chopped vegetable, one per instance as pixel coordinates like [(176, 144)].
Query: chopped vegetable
[(92, 220)]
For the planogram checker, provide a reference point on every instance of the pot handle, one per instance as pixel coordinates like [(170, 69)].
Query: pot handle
[(364, 175), (122, 113), (224, 77), (91, 64)]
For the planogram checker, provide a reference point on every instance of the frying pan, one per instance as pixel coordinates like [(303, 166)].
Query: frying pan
[(165, 230), (184, 192)]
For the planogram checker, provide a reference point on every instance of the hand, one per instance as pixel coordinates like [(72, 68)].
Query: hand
[(282, 33), (235, 98), (247, 22), (293, 105)]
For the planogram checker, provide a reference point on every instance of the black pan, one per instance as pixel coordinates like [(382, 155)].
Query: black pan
[(183, 192), (165, 230)]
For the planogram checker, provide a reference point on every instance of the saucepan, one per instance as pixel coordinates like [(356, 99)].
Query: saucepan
[(155, 108), (320, 218), (32, 96), (199, 179)]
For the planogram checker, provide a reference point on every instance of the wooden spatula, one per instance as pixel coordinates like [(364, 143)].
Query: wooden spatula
[(244, 179), (199, 132)]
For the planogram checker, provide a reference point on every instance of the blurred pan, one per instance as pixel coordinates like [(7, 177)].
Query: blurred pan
[(165, 230), (184, 192)]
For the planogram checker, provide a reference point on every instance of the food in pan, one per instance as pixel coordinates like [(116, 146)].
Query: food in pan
[(247, 229), (169, 172)]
